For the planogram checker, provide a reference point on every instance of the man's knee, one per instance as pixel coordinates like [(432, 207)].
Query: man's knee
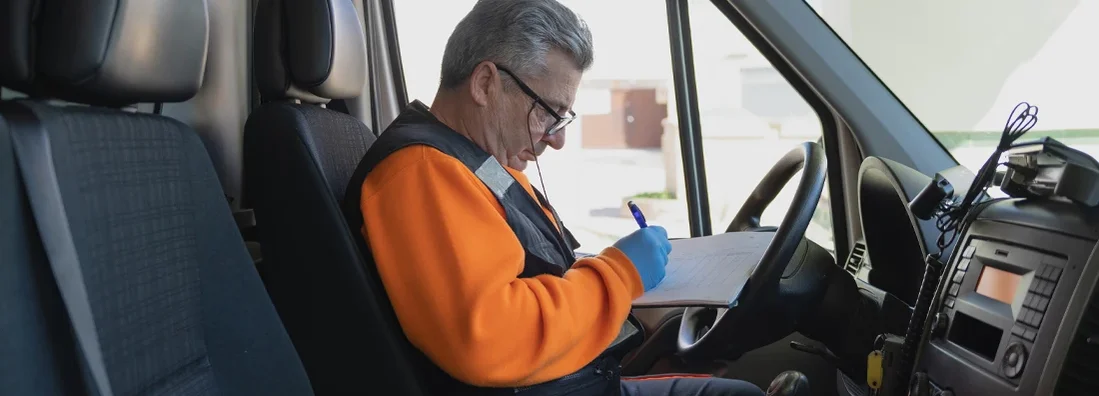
[(731, 387), (692, 386)]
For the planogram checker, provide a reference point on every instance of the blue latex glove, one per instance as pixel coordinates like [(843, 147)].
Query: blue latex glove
[(648, 249)]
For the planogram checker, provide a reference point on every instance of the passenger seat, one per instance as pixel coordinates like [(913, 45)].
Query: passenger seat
[(121, 270)]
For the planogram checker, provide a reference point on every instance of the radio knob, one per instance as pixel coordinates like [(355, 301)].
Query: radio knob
[(1014, 360), (938, 327)]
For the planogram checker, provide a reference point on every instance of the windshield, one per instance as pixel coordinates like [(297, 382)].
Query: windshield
[(962, 66)]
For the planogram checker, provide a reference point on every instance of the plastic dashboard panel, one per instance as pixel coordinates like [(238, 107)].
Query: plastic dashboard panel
[(989, 347), (895, 242)]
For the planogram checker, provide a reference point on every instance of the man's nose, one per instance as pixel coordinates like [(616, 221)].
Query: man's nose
[(557, 140)]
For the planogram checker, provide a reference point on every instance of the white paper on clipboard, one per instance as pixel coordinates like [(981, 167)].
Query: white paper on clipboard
[(707, 271)]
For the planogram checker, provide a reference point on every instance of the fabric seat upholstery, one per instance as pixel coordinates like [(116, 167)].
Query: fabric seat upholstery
[(177, 306), (298, 158)]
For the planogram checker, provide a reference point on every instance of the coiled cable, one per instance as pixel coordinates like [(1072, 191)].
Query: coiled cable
[(1021, 120), (952, 216)]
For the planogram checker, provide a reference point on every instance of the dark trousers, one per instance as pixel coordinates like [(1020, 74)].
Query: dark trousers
[(670, 385), (602, 378)]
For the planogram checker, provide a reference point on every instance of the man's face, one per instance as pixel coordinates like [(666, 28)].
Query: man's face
[(521, 120)]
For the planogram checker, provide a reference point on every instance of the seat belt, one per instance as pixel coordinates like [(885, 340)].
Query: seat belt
[(32, 152)]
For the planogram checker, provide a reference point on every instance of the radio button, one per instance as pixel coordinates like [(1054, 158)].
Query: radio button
[(950, 302), (1043, 303), (1042, 272), (964, 265), (958, 276), (1018, 330), (1042, 287), (1030, 335), (1054, 273), (1034, 319), (968, 252), (954, 288)]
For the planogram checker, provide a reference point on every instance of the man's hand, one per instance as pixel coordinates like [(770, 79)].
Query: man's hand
[(648, 249)]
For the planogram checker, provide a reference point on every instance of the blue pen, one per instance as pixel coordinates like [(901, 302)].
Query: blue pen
[(637, 215)]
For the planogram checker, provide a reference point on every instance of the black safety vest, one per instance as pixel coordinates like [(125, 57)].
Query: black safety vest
[(547, 250)]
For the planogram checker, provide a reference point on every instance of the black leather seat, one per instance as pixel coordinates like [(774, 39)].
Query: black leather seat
[(298, 158), (121, 268)]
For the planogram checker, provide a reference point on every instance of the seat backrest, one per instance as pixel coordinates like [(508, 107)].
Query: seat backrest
[(131, 215), (298, 158)]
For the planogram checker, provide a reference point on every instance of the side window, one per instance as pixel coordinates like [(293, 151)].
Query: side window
[(750, 117), (624, 144)]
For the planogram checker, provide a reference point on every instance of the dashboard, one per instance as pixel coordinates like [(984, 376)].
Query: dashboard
[(1016, 311)]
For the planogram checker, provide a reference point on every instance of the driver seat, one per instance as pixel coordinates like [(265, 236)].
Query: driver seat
[(298, 157)]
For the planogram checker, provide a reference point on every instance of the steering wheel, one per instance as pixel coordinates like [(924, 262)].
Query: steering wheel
[(708, 333)]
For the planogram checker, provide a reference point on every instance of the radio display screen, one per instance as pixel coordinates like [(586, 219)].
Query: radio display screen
[(998, 284)]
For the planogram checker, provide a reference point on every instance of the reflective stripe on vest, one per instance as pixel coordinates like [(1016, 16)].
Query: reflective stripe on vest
[(495, 177)]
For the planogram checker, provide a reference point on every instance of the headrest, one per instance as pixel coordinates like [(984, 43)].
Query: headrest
[(106, 52), (311, 50)]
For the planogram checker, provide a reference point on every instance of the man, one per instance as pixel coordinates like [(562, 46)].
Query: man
[(476, 264)]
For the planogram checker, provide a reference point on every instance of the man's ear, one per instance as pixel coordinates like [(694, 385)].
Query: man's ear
[(484, 83)]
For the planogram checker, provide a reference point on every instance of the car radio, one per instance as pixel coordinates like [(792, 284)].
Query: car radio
[(1011, 299), (996, 302)]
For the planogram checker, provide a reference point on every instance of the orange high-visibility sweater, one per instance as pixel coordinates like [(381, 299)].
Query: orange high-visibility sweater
[(450, 265)]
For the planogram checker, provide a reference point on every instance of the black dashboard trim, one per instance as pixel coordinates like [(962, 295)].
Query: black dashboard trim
[(1059, 216), (1073, 314), (896, 242)]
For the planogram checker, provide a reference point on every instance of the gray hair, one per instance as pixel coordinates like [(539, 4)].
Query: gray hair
[(516, 34)]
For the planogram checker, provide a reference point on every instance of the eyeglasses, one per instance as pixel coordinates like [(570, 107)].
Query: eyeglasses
[(560, 121)]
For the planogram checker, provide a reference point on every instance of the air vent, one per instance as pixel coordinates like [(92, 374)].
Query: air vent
[(1080, 374), (855, 261)]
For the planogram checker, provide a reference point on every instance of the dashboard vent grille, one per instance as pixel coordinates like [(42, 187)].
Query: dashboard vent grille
[(1080, 374), (854, 262)]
